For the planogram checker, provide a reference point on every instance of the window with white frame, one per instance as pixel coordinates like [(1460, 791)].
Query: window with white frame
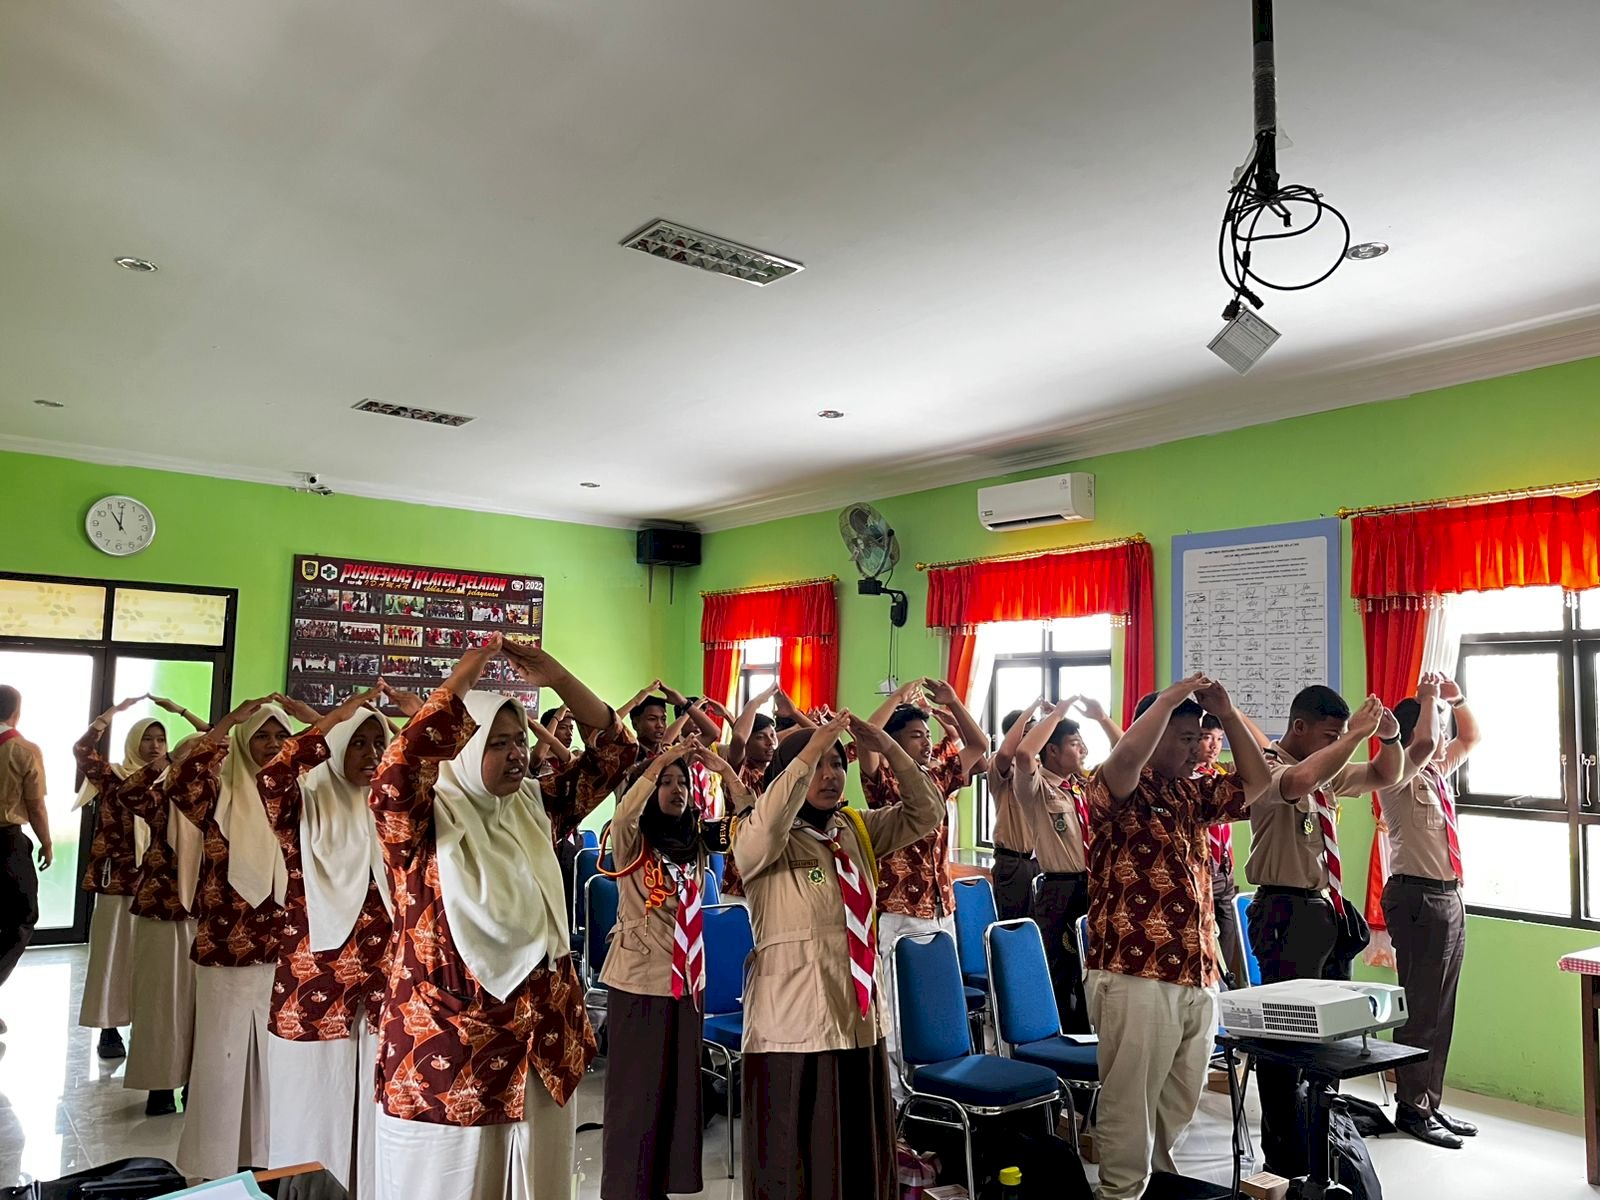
[(1070, 656), (1529, 665), (758, 670)]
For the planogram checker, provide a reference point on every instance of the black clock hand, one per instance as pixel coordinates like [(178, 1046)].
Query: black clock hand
[(116, 516)]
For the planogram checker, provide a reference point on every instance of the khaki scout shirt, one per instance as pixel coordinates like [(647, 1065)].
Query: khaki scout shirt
[(1286, 848), (799, 996), (1053, 816), (1011, 829), (21, 778), (1418, 842)]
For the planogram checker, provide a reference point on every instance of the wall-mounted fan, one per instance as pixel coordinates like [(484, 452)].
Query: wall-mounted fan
[(875, 551)]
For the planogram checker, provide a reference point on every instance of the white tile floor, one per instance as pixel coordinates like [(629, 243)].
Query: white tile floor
[(62, 1109)]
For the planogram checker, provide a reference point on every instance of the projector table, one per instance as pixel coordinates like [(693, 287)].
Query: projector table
[(1325, 1064)]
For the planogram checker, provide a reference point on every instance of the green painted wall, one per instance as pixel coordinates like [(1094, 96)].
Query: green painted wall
[(1538, 427)]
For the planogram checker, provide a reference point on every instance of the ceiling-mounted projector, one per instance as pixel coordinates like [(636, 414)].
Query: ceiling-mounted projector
[(1313, 1010)]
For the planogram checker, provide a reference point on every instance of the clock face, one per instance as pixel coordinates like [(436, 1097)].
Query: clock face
[(120, 525)]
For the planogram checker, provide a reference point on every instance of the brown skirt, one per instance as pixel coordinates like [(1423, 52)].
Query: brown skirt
[(652, 1115), (819, 1126)]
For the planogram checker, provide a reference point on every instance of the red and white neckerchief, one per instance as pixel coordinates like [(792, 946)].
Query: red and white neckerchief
[(1075, 791), (700, 790), (1452, 832), (860, 931), (688, 933), (1322, 807)]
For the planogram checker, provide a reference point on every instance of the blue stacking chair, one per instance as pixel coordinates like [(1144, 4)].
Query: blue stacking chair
[(600, 901), (729, 941), (591, 840), (1027, 1021), (975, 912), (1252, 964), (585, 867), (718, 867), (710, 888), (943, 1078)]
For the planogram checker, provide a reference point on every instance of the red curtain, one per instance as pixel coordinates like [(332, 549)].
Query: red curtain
[(962, 659), (1402, 558), (1119, 580), (721, 673), (805, 616), (1394, 640)]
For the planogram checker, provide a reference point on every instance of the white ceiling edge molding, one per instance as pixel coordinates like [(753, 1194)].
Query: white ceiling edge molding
[(1446, 364), (106, 456)]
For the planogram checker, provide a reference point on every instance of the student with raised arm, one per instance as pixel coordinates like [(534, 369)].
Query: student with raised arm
[(1015, 867), (1299, 917), (1052, 793), (484, 1036), (754, 743), (1153, 970), (819, 1117), (1422, 904)]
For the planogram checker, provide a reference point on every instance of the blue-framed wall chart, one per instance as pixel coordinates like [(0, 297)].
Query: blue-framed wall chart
[(1257, 609)]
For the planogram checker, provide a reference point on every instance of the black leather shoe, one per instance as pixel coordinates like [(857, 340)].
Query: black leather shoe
[(160, 1104), (1422, 1127), (111, 1045), (1455, 1125)]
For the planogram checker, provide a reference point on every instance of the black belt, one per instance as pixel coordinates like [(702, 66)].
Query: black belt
[(1272, 889), (1064, 876), (9, 828), (1428, 885), (1002, 852)]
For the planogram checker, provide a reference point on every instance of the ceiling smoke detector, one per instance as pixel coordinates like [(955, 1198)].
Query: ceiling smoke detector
[(1365, 250), (588, 484), (136, 264), (719, 256), (830, 414), (426, 415)]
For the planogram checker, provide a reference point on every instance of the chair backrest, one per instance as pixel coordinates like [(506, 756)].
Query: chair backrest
[(1019, 983), (591, 840), (729, 940), (1252, 965), (583, 869), (975, 912), (930, 1001), (711, 888), (719, 867), (601, 902), (1080, 930)]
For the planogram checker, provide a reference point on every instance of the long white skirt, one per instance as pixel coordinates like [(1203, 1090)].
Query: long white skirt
[(324, 1106), (163, 1005), (108, 983), (226, 1106), (531, 1160)]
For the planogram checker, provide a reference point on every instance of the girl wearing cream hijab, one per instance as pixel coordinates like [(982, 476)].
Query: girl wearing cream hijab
[(237, 920), (333, 956), (111, 869), (484, 1034)]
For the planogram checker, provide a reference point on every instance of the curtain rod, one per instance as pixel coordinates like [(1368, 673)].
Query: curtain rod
[(1109, 543), (1526, 493), (772, 587)]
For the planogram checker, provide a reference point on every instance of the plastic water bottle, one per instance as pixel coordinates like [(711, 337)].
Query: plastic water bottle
[(1010, 1183)]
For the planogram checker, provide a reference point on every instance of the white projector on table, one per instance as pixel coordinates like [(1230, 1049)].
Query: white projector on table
[(1313, 1010)]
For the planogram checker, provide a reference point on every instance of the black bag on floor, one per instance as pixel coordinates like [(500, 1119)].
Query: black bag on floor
[(1371, 1121), (125, 1179), (1352, 1165)]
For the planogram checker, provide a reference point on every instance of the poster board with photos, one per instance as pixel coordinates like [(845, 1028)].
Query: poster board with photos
[(352, 620)]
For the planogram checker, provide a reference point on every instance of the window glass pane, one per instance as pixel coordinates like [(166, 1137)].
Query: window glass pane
[(1081, 633), (1589, 609), (1591, 872), (1516, 699), (1508, 610), (1015, 687), (1017, 637), (1516, 864), (192, 618), (55, 610), (186, 682), (763, 652), (1095, 683), (754, 684)]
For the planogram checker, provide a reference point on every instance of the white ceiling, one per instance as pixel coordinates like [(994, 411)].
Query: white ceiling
[(1008, 214)]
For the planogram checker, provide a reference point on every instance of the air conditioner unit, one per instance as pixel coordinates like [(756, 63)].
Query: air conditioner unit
[(1054, 500)]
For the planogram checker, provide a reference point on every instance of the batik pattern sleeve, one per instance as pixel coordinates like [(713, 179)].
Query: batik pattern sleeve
[(402, 788), (279, 784), (109, 867), (194, 785), (582, 785)]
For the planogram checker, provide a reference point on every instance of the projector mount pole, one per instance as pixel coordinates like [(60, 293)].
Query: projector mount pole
[(1265, 76)]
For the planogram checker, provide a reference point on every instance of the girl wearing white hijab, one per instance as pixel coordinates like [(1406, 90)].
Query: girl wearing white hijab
[(333, 956), (111, 867), (484, 1034), (237, 921)]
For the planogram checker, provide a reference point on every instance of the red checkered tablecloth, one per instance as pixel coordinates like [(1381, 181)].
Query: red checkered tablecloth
[(1584, 962)]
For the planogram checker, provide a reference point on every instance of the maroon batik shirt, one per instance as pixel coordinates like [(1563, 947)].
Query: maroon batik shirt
[(915, 882), (228, 931), (156, 893), (317, 993), (451, 1053), (111, 867)]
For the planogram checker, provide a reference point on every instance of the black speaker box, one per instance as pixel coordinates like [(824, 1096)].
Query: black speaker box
[(668, 548)]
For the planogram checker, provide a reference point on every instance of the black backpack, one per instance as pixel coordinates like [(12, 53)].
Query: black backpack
[(1352, 1165), (125, 1179)]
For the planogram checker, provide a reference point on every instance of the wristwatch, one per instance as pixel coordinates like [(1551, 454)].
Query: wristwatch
[(1389, 741), (1457, 702)]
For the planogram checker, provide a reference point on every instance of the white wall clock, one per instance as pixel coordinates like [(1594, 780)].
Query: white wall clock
[(120, 525)]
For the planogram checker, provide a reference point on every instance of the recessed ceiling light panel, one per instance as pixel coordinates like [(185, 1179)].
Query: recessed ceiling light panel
[(1365, 250), (425, 415), (719, 256), (136, 264)]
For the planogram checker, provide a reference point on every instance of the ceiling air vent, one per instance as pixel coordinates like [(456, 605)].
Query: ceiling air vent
[(426, 415), (680, 244)]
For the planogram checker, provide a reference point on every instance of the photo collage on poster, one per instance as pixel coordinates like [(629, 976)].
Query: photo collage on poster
[(352, 621)]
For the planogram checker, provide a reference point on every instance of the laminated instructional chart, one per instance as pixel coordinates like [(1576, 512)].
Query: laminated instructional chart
[(1254, 608)]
